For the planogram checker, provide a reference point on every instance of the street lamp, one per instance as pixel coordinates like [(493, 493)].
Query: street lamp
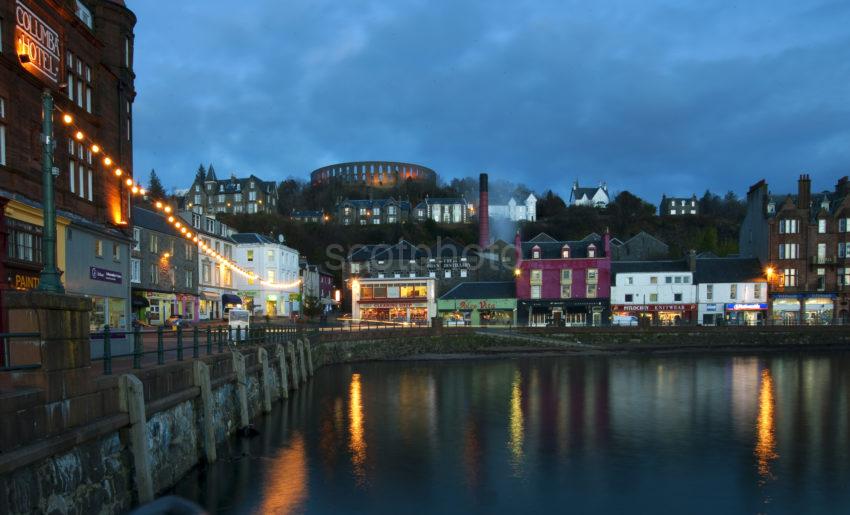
[(48, 279)]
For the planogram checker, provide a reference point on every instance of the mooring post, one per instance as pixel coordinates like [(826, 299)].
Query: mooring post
[(241, 387), (281, 360), (131, 395), (294, 364), (263, 358), (303, 376), (309, 356), (201, 373)]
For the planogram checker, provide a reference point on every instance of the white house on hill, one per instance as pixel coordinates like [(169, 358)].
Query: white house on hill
[(596, 197)]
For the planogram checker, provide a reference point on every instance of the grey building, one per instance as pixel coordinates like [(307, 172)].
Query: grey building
[(163, 270), (678, 206), (640, 247), (98, 266), (210, 195), (372, 211), (443, 210)]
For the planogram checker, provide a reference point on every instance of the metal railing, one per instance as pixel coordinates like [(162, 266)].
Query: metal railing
[(7, 354), (141, 348)]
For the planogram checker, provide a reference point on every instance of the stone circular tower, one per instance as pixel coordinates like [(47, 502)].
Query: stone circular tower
[(380, 174)]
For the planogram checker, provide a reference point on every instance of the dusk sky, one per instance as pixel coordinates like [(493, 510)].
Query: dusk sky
[(651, 96)]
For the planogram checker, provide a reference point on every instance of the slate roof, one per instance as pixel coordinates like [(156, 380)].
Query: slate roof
[(236, 184), (542, 237), (384, 252), (151, 220), (482, 290), (728, 270), (551, 249), (380, 202), (580, 192), (449, 248), (252, 237), (642, 267), (456, 200)]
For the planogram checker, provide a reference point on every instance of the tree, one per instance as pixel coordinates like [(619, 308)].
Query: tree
[(155, 189), (312, 306), (201, 174), (550, 205)]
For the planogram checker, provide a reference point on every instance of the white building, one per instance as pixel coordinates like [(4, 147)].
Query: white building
[(274, 262), (515, 212), (663, 291), (596, 197), (731, 290), (394, 300), (216, 291)]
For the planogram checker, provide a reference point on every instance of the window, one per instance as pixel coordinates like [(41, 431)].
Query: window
[(686, 279), (653, 280), (757, 291), (84, 15), (789, 250), (592, 275), (537, 277), (565, 252), (709, 291), (205, 271), (843, 249), (135, 270), (790, 277), (127, 46), (822, 226), (153, 243), (250, 256), (116, 252), (98, 248), (270, 256), (137, 238), (79, 170), (535, 252), (463, 272), (678, 279), (23, 241), (252, 195), (220, 199), (188, 250), (844, 225), (270, 276), (630, 297), (566, 276), (844, 276), (2, 132), (653, 297), (668, 279), (733, 291), (631, 280), (79, 82), (189, 279), (591, 290), (154, 275), (535, 291), (788, 226), (591, 251)]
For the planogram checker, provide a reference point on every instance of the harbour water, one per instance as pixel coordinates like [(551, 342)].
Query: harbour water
[(618, 434)]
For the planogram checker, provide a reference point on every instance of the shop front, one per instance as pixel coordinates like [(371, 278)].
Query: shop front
[(741, 313), (394, 301), (819, 309), (803, 308), (785, 308), (477, 312), (230, 301), (563, 313), (187, 306), (160, 307), (658, 314), (209, 305)]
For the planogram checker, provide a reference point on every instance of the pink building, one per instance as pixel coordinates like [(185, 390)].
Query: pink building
[(563, 282)]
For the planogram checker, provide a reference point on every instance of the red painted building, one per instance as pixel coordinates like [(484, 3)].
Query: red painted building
[(563, 282)]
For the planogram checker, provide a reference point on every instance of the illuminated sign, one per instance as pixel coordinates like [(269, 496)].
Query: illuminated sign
[(102, 274), (653, 307), (23, 282), (36, 40), (745, 307)]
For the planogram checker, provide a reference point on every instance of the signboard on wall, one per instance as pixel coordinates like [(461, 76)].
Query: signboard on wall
[(102, 274), (36, 43)]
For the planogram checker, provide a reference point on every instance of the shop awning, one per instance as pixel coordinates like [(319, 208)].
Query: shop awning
[(229, 298), (208, 295), (140, 302)]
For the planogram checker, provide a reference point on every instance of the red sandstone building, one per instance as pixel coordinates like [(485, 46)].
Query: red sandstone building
[(81, 51), (804, 242)]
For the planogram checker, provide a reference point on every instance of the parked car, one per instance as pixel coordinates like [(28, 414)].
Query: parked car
[(628, 320)]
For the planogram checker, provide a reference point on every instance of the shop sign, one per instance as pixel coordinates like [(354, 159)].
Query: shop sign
[(21, 281), (295, 297), (711, 307), (652, 307), (482, 304), (390, 305), (102, 274), (740, 306), (38, 42)]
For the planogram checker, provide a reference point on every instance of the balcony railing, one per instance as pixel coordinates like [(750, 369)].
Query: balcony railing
[(824, 260)]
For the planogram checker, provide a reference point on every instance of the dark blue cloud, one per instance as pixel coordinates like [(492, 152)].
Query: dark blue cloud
[(651, 96)]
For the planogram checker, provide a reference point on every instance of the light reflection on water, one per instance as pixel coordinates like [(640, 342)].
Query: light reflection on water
[(673, 434)]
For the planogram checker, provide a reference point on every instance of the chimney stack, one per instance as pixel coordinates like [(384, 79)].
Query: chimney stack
[(804, 192), (483, 212), (842, 187)]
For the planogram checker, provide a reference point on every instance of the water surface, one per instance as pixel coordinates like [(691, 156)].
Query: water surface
[(616, 434)]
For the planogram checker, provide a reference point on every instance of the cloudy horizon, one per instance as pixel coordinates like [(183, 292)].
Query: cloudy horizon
[(660, 97)]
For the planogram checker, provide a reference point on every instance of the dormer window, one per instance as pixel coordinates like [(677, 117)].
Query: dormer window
[(565, 252), (591, 251), (535, 252), (771, 208)]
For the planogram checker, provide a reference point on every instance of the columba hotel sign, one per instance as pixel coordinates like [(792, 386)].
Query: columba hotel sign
[(37, 43)]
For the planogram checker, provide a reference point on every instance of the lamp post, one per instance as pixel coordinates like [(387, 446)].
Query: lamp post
[(49, 277)]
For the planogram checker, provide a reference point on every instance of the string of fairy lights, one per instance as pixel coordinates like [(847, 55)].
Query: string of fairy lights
[(162, 207)]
